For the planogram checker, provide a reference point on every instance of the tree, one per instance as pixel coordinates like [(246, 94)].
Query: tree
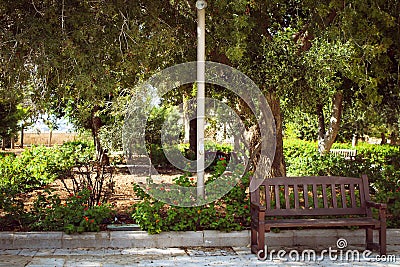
[(313, 56)]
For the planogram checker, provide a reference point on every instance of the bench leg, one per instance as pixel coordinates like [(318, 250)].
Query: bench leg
[(261, 242), (369, 238), (382, 240), (253, 239), (261, 232)]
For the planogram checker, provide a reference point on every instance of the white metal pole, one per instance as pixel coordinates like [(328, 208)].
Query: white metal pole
[(201, 43)]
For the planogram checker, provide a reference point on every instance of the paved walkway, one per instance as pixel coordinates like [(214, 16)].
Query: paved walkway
[(188, 257)]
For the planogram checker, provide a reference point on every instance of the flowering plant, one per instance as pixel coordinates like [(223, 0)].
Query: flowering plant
[(72, 215)]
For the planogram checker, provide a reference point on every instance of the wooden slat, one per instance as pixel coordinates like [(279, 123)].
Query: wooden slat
[(352, 196), (325, 196), (311, 180), (364, 190), (315, 196), (277, 198), (334, 200), (305, 194), (287, 198), (296, 197), (343, 194), (268, 197), (322, 222), (315, 212)]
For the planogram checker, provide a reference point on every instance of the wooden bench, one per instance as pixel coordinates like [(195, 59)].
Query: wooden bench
[(346, 153), (315, 202)]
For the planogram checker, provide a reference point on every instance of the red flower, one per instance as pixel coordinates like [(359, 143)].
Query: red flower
[(192, 179), (86, 218), (99, 204), (92, 221), (245, 206), (85, 209), (222, 158)]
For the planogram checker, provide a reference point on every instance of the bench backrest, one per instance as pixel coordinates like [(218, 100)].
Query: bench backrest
[(347, 153), (325, 195)]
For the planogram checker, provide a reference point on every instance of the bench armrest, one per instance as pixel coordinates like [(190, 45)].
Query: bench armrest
[(375, 205), (257, 206)]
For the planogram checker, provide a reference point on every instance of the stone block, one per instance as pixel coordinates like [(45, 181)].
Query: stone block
[(223, 239), (86, 240), (6, 240), (37, 240), (283, 238)]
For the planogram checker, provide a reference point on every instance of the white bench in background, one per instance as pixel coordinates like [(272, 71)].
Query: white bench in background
[(346, 153)]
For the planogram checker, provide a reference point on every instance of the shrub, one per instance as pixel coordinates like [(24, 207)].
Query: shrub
[(39, 165), (231, 212), (33, 169), (6, 154), (72, 215), (94, 176)]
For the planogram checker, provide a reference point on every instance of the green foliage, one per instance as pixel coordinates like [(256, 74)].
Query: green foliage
[(229, 213), (5, 154), (74, 214), (379, 162), (387, 190), (35, 168), (39, 165)]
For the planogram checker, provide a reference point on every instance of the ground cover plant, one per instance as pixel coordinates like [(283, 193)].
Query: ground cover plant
[(231, 212)]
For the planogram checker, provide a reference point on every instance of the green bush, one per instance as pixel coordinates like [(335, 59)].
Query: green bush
[(40, 165), (231, 212), (380, 162), (35, 168), (5, 154), (74, 214), (387, 190)]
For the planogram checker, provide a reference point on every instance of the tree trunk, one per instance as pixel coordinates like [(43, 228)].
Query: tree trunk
[(354, 141), (393, 138), (12, 141), (96, 124), (22, 137), (50, 137), (383, 139), (278, 165), (6, 142), (326, 137)]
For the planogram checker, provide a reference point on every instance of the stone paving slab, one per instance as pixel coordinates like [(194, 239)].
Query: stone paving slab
[(141, 239), (204, 248), (236, 256)]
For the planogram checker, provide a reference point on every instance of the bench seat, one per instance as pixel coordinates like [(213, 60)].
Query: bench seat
[(319, 223)]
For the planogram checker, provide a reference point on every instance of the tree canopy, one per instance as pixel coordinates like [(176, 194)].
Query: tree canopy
[(334, 60)]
